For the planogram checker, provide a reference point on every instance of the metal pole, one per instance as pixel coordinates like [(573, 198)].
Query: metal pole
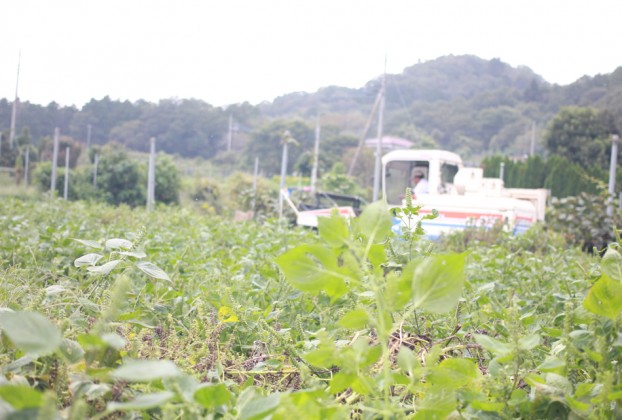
[(151, 176), (66, 189), (612, 172), (230, 134), (377, 166), (316, 154), (54, 160), (95, 165), (283, 174), (255, 173)]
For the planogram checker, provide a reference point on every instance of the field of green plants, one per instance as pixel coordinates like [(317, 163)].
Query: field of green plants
[(113, 312)]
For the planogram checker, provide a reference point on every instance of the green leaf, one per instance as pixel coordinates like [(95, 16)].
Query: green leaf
[(453, 373), (20, 396), (88, 259), (334, 230), (152, 270), (529, 342), (254, 407), (135, 254), (31, 332), (89, 243), (438, 282), (611, 264), (355, 319), (210, 396), (377, 255), (496, 347), (145, 370), (141, 402), (407, 360), (552, 364), (105, 268), (605, 298), (375, 222), (71, 350), (117, 243), (313, 268), (341, 381)]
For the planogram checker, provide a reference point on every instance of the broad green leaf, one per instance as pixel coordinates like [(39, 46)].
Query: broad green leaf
[(438, 282), (20, 396), (152, 270), (313, 268), (552, 364), (375, 222), (578, 407), (529, 342), (89, 243), (117, 243), (114, 340), (226, 314), (407, 360), (30, 332), (141, 402), (135, 254), (605, 298), (145, 370), (333, 229), (341, 381), (71, 350), (436, 405), (377, 255), (210, 396), (355, 319), (611, 264), (496, 347), (453, 373), (88, 259), (105, 268), (259, 407), (399, 290)]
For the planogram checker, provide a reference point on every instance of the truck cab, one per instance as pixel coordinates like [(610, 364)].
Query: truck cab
[(462, 196)]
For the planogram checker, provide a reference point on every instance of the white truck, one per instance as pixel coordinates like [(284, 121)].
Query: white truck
[(461, 195)]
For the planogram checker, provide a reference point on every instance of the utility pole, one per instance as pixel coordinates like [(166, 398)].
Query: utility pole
[(15, 102), (377, 167), (54, 161), (88, 137), (612, 172), (151, 176), (285, 141), (316, 153), (230, 133), (66, 189)]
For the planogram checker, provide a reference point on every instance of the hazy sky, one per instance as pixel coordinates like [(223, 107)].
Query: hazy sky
[(229, 51)]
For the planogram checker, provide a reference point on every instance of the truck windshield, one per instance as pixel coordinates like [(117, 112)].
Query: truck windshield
[(398, 176)]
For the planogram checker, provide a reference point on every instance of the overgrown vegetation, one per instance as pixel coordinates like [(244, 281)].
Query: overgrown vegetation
[(112, 312)]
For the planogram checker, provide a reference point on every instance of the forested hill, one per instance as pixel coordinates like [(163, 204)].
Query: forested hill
[(463, 103)]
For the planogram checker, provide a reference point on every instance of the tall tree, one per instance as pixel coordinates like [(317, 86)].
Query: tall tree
[(582, 135)]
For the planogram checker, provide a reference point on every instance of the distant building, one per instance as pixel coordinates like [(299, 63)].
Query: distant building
[(389, 143)]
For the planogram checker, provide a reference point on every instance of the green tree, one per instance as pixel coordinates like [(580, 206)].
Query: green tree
[(581, 135), (266, 143), (120, 179), (167, 182)]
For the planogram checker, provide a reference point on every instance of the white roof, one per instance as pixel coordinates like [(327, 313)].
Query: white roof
[(422, 154)]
